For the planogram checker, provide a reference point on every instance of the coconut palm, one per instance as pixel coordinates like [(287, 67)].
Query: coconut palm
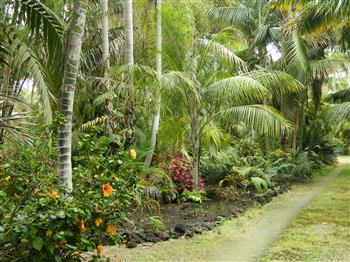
[(70, 73)]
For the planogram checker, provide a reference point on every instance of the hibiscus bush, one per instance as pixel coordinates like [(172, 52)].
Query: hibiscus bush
[(40, 223)]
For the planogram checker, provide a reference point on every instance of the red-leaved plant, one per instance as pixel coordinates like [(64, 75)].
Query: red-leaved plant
[(179, 168)]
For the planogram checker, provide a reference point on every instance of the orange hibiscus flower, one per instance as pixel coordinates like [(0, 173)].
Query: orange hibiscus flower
[(99, 249), (53, 195), (98, 221), (112, 230), (107, 189)]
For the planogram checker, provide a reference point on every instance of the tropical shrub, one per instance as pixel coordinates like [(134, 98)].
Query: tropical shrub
[(179, 168), (192, 196), (214, 167), (40, 222)]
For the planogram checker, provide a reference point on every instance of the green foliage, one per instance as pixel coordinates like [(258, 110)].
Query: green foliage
[(259, 184), (155, 224), (39, 222), (192, 196), (214, 167)]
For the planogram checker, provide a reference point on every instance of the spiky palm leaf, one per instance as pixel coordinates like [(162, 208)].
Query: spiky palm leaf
[(42, 20), (264, 119), (241, 17), (338, 113), (223, 54), (327, 66), (340, 96), (25, 57)]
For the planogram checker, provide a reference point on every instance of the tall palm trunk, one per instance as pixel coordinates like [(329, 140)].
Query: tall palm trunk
[(195, 139), (105, 64), (129, 56), (70, 73), (156, 120)]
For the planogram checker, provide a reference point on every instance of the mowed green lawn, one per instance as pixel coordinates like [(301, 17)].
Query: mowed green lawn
[(321, 232)]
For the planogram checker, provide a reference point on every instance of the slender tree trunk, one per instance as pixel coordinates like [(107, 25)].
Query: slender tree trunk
[(156, 120), (195, 148), (70, 72), (129, 56), (106, 66), (295, 133)]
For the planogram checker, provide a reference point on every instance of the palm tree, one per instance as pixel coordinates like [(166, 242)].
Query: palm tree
[(203, 94), (22, 60), (129, 57), (159, 72), (72, 54)]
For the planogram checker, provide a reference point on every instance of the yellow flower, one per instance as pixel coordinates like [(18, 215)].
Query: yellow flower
[(107, 189), (82, 225), (7, 178), (133, 154), (49, 233), (99, 249), (112, 230), (61, 242), (53, 195), (24, 241), (98, 221)]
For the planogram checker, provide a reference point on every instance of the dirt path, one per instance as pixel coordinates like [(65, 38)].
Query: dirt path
[(253, 243)]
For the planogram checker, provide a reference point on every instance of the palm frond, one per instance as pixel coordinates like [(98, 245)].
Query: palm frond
[(296, 56), (41, 19), (338, 113), (264, 119), (223, 54), (340, 96), (277, 82), (327, 66), (101, 99), (238, 90), (25, 57), (96, 122), (241, 17)]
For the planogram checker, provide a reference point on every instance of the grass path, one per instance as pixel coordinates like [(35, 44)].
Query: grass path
[(321, 232), (244, 239)]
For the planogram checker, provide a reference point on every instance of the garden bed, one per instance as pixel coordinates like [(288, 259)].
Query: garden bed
[(188, 219)]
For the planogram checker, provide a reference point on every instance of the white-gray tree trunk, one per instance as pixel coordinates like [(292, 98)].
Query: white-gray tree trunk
[(156, 119), (70, 72), (106, 65), (129, 57)]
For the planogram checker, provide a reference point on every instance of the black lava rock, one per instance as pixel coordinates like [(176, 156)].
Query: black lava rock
[(135, 238), (260, 199), (164, 236), (283, 189), (142, 235), (180, 229), (151, 237), (189, 233), (131, 244), (208, 226)]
